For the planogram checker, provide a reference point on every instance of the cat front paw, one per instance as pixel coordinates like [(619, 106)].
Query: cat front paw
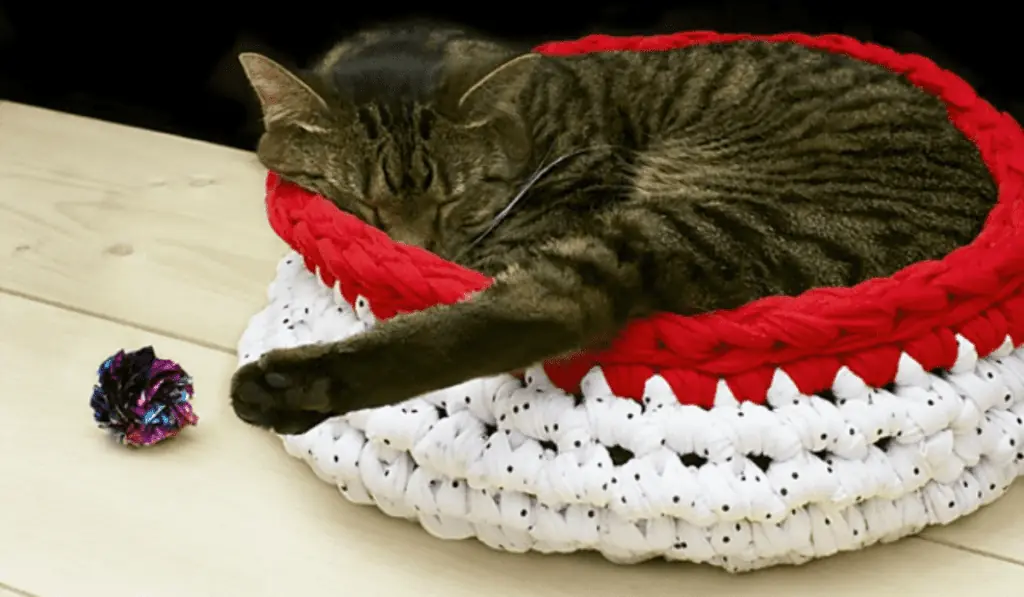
[(286, 391)]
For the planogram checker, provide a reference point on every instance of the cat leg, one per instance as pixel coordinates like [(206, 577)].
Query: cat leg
[(572, 294)]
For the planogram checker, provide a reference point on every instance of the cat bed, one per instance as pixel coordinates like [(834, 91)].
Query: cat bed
[(789, 429)]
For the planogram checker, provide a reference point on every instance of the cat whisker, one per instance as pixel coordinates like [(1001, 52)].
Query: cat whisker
[(534, 178)]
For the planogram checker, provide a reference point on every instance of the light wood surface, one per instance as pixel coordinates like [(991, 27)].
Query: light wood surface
[(158, 231), (114, 237), (9, 592)]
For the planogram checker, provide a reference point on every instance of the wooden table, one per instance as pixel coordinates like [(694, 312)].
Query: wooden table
[(116, 237)]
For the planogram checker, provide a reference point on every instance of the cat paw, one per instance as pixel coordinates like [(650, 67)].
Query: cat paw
[(282, 391)]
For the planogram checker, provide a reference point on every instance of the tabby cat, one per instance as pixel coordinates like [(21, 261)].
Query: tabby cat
[(596, 189)]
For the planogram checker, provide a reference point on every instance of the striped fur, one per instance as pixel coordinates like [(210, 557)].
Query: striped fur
[(690, 180)]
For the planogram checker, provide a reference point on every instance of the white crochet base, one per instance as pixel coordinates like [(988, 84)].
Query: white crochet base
[(529, 468)]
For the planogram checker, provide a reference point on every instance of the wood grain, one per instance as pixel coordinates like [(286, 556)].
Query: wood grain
[(109, 224), (996, 529), (143, 227), (12, 592), (222, 511)]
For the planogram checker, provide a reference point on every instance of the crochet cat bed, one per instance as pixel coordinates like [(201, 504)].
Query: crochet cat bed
[(782, 431)]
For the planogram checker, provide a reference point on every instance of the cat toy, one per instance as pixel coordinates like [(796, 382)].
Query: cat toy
[(142, 399)]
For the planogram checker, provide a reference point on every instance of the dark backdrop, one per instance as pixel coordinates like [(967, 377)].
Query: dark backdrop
[(171, 66)]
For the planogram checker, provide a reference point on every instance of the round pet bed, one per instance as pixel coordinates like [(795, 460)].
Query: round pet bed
[(789, 429)]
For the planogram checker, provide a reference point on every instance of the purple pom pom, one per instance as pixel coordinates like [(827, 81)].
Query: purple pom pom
[(141, 399)]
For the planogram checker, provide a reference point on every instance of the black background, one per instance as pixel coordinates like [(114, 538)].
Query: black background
[(172, 67)]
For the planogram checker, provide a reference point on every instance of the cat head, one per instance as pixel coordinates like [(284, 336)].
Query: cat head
[(427, 149)]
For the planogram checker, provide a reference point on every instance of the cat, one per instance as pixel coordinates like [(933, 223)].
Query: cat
[(597, 189)]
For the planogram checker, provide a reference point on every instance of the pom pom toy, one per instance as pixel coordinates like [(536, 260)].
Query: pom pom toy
[(141, 399)]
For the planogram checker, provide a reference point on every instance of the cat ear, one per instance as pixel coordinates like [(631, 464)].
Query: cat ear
[(282, 95), (496, 90), (490, 103)]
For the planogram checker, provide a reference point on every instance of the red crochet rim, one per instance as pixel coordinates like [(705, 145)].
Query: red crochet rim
[(976, 291)]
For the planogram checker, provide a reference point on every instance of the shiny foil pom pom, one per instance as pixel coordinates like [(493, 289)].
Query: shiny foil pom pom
[(141, 399)]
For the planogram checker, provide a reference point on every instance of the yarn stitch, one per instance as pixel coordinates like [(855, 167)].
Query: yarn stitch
[(522, 465), (788, 429), (975, 291)]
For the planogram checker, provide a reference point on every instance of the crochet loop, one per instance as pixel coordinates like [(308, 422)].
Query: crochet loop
[(975, 292)]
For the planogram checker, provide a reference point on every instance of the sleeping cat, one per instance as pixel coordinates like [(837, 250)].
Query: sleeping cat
[(596, 189)]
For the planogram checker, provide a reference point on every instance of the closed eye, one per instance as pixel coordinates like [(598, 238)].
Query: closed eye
[(492, 178), (301, 176)]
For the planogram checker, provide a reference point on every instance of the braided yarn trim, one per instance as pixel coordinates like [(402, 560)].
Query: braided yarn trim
[(975, 293), (524, 466)]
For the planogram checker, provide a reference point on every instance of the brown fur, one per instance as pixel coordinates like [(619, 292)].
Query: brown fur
[(690, 180)]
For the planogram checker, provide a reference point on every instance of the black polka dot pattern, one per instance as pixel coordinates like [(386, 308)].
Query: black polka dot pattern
[(534, 467)]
